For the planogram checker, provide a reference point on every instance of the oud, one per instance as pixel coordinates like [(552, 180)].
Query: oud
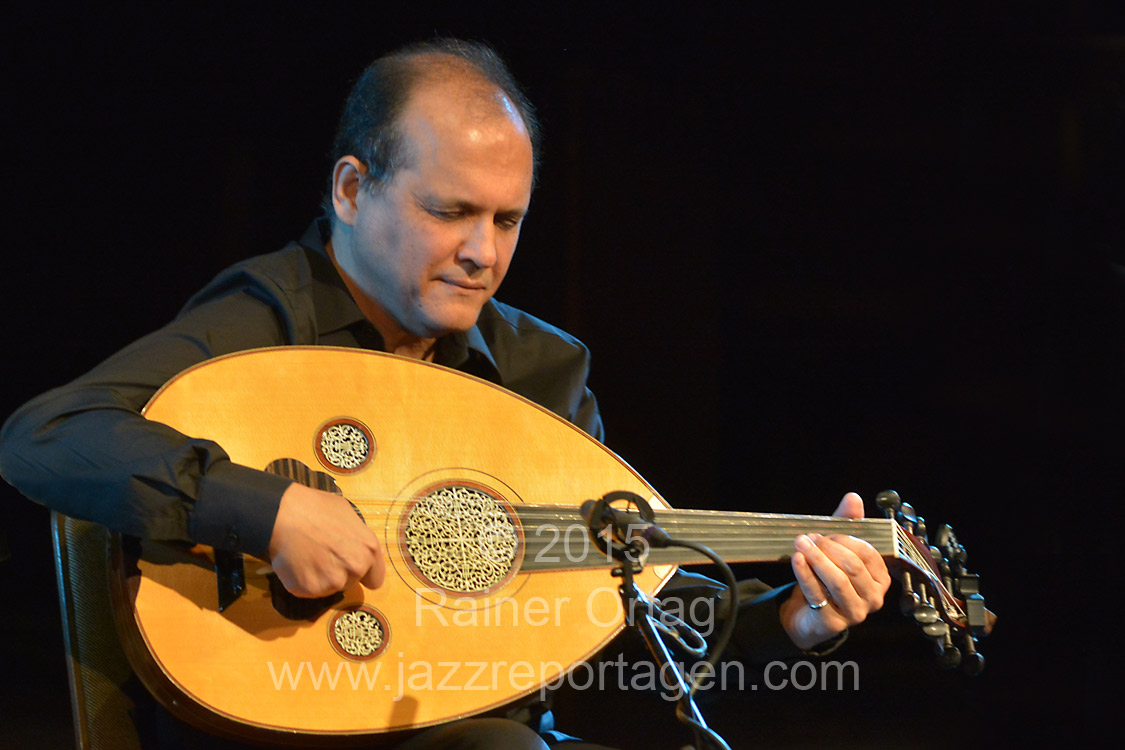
[(493, 585)]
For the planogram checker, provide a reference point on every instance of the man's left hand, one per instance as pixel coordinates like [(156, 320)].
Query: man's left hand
[(843, 573)]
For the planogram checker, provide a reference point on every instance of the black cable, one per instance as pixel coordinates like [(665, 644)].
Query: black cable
[(699, 729), (731, 615), (686, 702)]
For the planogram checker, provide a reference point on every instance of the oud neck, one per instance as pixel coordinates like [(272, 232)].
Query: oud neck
[(764, 537), (735, 537)]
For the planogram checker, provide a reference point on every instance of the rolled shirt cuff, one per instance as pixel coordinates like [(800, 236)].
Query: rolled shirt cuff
[(236, 508)]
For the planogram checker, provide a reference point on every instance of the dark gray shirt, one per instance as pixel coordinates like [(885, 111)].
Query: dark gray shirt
[(85, 450)]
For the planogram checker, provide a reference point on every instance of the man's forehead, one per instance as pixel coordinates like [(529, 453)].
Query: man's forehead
[(450, 125), (463, 100)]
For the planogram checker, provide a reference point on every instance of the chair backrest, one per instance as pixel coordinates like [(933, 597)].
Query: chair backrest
[(96, 663)]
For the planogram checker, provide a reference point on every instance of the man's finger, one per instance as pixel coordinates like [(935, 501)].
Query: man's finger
[(375, 575), (871, 558), (851, 506), (815, 592)]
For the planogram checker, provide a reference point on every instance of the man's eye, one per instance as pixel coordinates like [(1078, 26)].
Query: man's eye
[(510, 222), (443, 214)]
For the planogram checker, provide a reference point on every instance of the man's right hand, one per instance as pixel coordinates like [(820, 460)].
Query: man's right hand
[(320, 546)]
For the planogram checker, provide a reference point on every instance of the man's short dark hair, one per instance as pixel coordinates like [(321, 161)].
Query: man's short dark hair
[(369, 127)]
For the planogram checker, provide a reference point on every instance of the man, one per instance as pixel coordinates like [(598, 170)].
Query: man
[(434, 168)]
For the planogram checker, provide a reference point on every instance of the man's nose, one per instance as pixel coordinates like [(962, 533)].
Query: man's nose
[(480, 246)]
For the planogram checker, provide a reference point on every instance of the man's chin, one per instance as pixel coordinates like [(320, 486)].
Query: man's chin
[(451, 322)]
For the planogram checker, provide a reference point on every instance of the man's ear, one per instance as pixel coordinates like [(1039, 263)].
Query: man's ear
[(346, 176)]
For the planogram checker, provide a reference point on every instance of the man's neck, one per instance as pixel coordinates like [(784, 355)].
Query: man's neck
[(396, 340), (415, 349)]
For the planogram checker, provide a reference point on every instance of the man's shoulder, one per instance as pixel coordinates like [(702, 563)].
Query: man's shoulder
[(522, 344), (541, 362), (282, 286), (289, 268), (268, 277), (502, 321)]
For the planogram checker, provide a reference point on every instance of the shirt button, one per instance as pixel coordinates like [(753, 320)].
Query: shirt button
[(232, 539)]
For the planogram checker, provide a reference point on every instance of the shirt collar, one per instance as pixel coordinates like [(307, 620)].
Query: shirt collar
[(335, 309)]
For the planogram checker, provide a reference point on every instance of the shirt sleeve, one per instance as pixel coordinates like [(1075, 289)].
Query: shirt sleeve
[(85, 450), (758, 637)]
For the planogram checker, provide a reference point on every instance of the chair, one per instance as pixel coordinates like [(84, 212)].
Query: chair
[(96, 664)]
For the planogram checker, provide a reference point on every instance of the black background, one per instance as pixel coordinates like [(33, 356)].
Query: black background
[(812, 250)]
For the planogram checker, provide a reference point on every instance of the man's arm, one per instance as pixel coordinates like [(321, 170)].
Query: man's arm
[(85, 450)]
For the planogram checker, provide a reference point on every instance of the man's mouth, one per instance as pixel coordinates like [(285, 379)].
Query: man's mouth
[(467, 284)]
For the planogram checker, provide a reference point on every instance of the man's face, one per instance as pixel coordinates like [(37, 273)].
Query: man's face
[(430, 247)]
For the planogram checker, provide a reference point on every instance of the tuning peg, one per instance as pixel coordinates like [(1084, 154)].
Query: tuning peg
[(920, 530), (889, 501), (926, 614), (946, 574), (973, 662), (951, 549), (908, 600), (937, 630), (907, 517), (949, 656)]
